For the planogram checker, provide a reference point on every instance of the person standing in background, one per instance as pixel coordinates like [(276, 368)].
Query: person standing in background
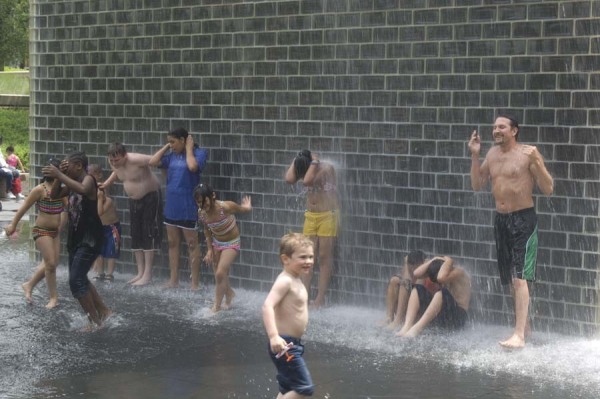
[(513, 170), (183, 162)]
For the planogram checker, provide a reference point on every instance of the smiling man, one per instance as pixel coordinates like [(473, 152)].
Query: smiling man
[(513, 169)]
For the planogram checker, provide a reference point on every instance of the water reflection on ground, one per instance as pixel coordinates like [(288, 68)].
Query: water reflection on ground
[(166, 344)]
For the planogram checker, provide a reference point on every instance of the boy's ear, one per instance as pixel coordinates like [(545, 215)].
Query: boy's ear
[(284, 258)]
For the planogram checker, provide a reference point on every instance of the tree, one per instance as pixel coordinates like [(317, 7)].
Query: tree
[(14, 32)]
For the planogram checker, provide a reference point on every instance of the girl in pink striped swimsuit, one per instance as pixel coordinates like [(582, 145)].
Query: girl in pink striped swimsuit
[(222, 238)]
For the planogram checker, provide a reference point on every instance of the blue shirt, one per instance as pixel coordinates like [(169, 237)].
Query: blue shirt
[(180, 203)]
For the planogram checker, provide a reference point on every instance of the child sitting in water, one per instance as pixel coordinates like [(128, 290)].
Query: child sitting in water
[(112, 229), (52, 217), (400, 286), (448, 307), (222, 238)]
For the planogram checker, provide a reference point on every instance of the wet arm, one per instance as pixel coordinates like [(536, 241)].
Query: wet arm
[(445, 270), (28, 203), (313, 169), (278, 291), (190, 158), (422, 269), (57, 190), (543, 179), (479, 173), (102, 204), (64, 215), (244, 207), (155, 159), (290, 175), (111, 179)]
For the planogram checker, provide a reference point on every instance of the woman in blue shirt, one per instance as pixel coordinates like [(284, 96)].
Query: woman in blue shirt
[(183, 162)]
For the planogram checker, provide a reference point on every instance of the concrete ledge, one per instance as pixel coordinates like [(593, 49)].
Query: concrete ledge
[(14, 100)]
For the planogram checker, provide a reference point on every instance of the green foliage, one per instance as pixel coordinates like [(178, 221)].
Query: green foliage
[(14, 31), (14, 129)]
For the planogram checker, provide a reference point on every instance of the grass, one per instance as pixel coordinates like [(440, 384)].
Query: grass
[(16, 82), (14, 122), (14, 129)]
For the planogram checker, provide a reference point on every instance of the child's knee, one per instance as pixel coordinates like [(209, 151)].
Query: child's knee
[(220, 274)]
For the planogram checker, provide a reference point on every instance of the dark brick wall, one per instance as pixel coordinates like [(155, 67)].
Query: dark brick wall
[(389, 90)]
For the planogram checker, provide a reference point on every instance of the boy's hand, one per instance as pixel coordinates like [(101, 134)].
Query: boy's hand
[(247, 202), (9, 229), (277, 344)]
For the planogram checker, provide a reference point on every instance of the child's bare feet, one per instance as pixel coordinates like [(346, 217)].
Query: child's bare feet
[(318, 302), (142, 281), (393, 325), (27, 288), (133, 280), (215, 309), (229, 298), (105, 315), (402, 332), (52, 303), (514, 342), (170, 285)]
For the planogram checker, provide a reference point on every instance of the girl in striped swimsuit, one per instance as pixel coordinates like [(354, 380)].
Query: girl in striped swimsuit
[(51, 218), (222, 238)]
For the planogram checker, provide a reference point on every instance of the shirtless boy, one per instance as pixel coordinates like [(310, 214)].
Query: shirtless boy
[(145, 206), (513, 169), (321, 216), (285, 316), (112, 229), (448, 307)]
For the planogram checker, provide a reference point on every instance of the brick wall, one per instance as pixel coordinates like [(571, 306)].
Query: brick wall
[(389, 90)]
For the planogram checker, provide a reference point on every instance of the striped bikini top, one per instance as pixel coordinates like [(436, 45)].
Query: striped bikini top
[(50, 205), (221, 226)]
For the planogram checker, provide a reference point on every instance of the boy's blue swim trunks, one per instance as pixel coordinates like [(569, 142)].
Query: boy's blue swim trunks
[(292, 373)]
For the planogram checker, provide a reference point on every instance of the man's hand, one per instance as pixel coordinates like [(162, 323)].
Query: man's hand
[(475, 143)]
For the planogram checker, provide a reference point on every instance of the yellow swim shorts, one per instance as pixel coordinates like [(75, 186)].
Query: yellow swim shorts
[(321, 224)]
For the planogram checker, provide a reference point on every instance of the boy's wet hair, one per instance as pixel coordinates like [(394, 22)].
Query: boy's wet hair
[(302, 162), (202, 192), (95, 168), (415, 258), (54, 162), (434, 269), (292, 241), (116, 149), (10, 148), (78, 157)]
